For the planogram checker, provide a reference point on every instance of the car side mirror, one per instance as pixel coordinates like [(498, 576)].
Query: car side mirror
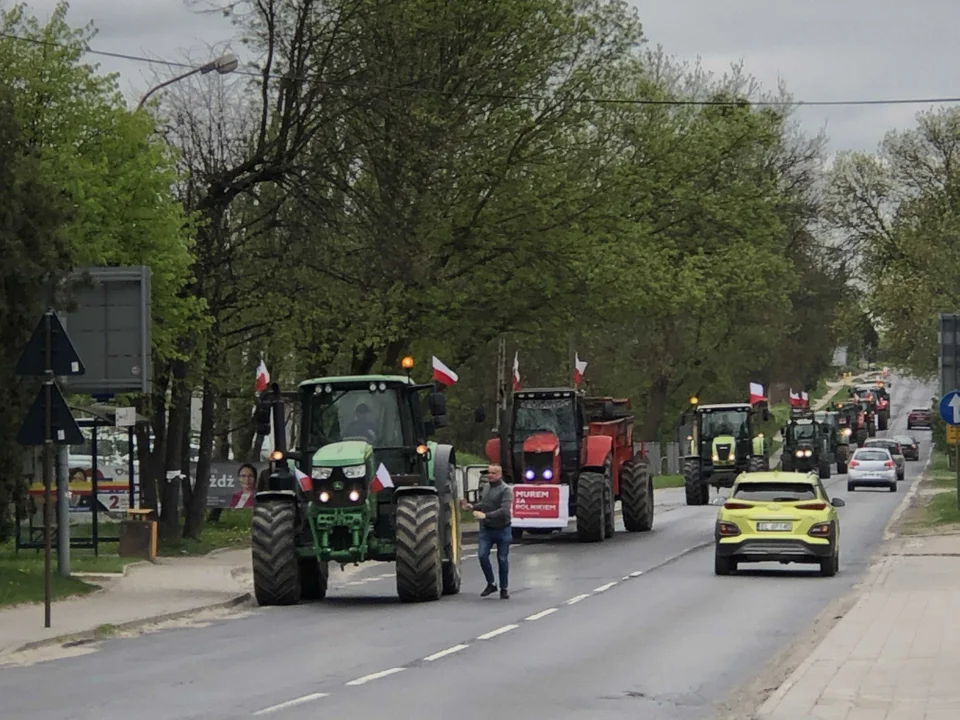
[(838, 502), (479, 415)]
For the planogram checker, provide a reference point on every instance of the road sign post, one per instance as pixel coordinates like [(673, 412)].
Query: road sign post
[(49, 421), (950, 414)]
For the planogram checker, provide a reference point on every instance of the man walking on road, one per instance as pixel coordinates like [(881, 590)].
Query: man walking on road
[(493, 512)]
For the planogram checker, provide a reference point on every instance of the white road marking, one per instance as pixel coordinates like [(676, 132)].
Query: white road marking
[(291, 703), (625, 577), (542, 614), (498, 631), (386, 576), (376, 676), (637, 573), (603, 588), (444, 653), (578, 598)]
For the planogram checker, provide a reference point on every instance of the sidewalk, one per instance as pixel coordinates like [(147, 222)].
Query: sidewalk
[(896, 654), (171, 587)]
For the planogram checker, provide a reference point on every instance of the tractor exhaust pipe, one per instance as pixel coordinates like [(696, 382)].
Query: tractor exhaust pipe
[(279, 420)]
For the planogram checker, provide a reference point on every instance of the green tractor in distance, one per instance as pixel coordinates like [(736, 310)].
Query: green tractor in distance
[(838, 442), (852, 423), (331, 501), (722, 444), (806, 445)]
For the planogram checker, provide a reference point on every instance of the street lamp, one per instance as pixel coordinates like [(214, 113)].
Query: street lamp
[(224, 64)]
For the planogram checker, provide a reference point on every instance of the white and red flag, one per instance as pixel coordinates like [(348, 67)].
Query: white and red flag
[(756, 393), (516, 370), (579, 367), (305, 482), (263, 376), (381, 480), (442, 374)]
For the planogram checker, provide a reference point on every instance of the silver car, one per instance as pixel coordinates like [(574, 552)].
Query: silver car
[(896, 452), (872, 466)]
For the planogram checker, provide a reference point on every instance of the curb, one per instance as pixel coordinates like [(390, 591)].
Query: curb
[(89, 636), (888, 531)]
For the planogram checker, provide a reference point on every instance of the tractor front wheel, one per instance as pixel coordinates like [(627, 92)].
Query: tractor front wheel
[(824, 470), (313, 578), (697, 493), (636, 495), (418, 548), (591, 506), (276, 567), (786, 462), (452, 548)]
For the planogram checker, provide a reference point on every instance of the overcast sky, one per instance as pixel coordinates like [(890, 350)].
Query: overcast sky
[(823, 49)]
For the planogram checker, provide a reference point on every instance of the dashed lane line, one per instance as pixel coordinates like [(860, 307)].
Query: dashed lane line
[(578, 598), (541, 614), (604, 588), (498, 631), (291, 703), (376, 676), (444, 653)]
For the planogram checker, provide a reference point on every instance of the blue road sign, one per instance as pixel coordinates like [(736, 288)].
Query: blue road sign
[(950, 408)]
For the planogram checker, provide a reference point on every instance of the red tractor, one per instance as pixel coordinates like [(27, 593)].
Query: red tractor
[(572, 456)]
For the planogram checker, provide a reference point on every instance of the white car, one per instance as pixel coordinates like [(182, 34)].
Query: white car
[(872, 466), (899, 459)]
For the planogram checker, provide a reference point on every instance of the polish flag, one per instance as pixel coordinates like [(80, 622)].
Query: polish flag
[(442, 374), (795, 399), (756, 393), (306, 484), (579, 366), (263, 376), (381, 480), (804, 398), (516, 370)]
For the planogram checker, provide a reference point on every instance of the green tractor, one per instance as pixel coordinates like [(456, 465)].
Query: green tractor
[(852, 423), (839, 442), (722, 444), (806, 445), (364, 484)]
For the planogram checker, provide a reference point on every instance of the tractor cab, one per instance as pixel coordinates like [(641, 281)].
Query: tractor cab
[(547, 431)]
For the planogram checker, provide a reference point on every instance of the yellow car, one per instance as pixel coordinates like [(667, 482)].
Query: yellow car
[(781, 517)]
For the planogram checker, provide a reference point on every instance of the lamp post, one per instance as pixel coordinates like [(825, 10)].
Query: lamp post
[(224, 64)]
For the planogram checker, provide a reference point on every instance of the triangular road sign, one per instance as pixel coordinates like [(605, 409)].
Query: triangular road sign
[(64, 356), (65, 428)]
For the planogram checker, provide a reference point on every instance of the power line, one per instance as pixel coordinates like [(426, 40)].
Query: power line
[(504, 96)]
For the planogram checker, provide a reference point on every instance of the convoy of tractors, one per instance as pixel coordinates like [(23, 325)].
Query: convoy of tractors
[(364, 482)]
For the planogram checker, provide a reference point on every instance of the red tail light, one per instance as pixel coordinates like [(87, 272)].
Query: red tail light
[(812, 506), (888, 464), (736, 506), (853, 463)]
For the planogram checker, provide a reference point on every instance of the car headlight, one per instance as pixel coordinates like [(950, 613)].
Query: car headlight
[(321, 473), (354, 472)]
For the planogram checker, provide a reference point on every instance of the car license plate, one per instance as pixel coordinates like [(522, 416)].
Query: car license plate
[(773, 527)]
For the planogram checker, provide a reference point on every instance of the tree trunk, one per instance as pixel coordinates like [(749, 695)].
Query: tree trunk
[(179, 416), (656, 406), (193, 524)]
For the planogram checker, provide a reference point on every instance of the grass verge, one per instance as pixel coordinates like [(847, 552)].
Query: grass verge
[(667, 481), (934, 509), (232, 530)]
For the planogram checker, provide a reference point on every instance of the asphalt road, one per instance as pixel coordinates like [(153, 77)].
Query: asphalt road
[(638, 626)]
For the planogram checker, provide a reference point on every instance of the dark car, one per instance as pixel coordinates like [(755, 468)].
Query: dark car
[(910, 445), (918, 418)]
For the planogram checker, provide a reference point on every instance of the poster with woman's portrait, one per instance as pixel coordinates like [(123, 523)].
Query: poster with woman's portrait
[(232, 485)]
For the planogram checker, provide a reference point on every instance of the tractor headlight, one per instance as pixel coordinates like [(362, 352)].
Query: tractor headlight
[(547, 474), (530, 474), (799, 453), (355, 472), (324, 497), (807, 453), (321, 473), (354, 496), (847, 432), (716, 458)]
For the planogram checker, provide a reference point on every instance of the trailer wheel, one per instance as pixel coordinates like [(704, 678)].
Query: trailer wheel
[(276, 568), (419, 552), (591, 507)]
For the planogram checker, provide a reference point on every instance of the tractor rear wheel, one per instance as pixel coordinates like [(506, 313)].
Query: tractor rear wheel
[(696, 492), (418, 548), (276, 568), (636, 495), (591, 506), (882, 421), (610, 518), (313, 578)]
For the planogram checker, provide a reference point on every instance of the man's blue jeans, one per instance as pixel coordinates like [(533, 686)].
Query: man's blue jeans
[(500, 538)]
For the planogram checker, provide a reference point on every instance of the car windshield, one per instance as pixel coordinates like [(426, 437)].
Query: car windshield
[(355, 415), (903, 440), (775, 491), (871, 455), (555, 415), (724, 422)]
